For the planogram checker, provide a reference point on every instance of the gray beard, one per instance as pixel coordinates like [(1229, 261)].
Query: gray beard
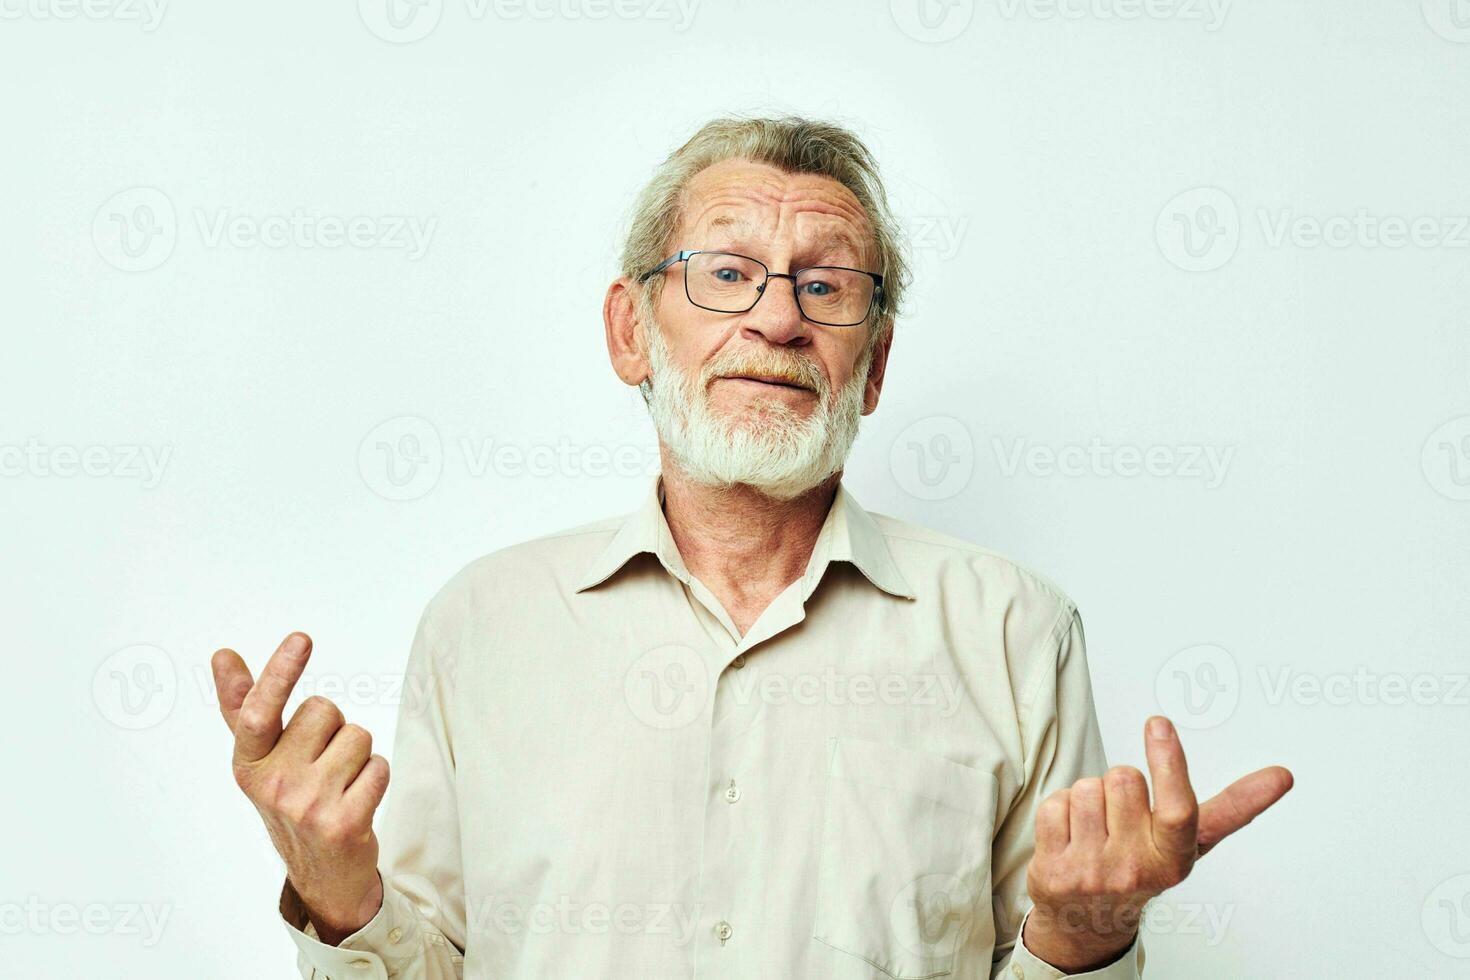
[(771, 449)]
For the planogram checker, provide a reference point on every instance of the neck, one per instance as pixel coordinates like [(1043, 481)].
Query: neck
[(743, 545)]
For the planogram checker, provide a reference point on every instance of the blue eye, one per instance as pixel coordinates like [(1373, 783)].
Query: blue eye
[(818, 289), (728, 275)]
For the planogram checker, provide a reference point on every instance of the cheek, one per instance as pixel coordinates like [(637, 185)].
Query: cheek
[(845, 365), (680, 335)]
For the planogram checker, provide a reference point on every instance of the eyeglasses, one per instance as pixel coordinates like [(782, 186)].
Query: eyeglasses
[(724, 282)]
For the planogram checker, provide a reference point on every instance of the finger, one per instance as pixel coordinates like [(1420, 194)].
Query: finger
[(368, 788), (345, 755), (1087, 822), (1052, 830), (1240, 803), (1176, 812), (311, 729), (232, 681), (259, 723), (1125, 798)]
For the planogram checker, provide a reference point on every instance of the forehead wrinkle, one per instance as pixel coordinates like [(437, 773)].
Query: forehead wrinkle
[(822, 239), (742, 183), (828, 240), (831, 247)]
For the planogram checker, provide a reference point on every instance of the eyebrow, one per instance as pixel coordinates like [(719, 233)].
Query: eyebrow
[(742, 232)]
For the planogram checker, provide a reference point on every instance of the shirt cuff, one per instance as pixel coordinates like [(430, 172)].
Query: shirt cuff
[(1026, 965), (379, 950)]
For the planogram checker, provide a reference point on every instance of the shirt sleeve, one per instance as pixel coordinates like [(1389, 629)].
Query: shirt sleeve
[(419, 932), (1062, 743)]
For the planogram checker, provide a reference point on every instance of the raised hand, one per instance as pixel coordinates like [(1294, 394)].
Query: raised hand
[(316, 784), (1102, 853)]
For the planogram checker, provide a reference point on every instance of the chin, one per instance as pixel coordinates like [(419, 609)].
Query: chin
[(761, 413)]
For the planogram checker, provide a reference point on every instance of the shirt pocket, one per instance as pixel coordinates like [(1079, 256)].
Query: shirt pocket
[(905, 856)]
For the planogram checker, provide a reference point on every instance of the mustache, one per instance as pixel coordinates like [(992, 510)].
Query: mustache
[(766, 363)]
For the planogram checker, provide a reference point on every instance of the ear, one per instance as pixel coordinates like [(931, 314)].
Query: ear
[(620, 321), (876, 372)]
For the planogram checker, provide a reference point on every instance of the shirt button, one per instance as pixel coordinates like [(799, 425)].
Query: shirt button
[(395, 934), (1018, 971), (723, 931), (738, 662), (732, 792)]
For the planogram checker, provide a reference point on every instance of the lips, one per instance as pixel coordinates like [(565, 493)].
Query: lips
[(768, 379)]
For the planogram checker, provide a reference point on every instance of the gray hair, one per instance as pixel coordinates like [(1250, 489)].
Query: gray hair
[(790, 143)]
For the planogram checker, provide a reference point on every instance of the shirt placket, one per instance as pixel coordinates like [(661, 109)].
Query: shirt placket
[(730, 874)]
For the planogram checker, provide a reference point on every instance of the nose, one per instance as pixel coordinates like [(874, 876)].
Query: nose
[(776, 317)]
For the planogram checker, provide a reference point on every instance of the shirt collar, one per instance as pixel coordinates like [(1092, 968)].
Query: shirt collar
[(848, 534)]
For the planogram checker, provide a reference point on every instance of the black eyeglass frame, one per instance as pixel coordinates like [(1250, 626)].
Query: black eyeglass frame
[(685, 254)]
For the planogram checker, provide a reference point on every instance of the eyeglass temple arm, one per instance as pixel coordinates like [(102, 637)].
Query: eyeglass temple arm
[(676, 257)]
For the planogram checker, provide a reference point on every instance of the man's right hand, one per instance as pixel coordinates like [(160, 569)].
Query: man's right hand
[(316, 784)]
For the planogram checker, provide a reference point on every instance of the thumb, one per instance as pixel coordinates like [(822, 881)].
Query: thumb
[(1240, 803)]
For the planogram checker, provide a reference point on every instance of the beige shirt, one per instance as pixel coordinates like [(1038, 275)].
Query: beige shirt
[(595, 775)]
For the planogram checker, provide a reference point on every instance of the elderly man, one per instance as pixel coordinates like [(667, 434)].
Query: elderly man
[(750, 729)]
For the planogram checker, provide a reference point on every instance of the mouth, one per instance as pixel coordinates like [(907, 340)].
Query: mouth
[(771, 381)]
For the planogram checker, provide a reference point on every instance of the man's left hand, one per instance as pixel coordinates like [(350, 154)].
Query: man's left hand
[(1101, 853)]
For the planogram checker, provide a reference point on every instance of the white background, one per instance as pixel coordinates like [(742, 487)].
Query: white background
[(1302, 603)]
